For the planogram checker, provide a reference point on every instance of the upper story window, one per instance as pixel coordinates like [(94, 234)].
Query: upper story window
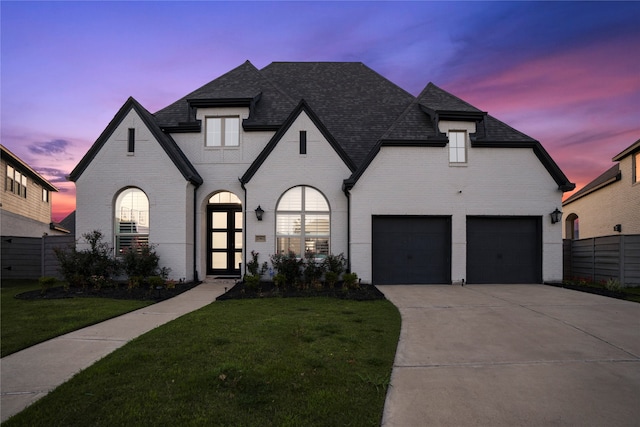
[(457, 146), (303, 222), (16, 182), (636, 167), (45, 195), (222, 131)]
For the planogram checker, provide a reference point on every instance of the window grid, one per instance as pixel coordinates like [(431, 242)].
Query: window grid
[(16, 182), (222, 131), (131, 220), (303, 223), (457, 147)]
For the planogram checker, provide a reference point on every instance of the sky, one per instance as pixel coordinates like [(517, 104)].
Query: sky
[(565, 73)]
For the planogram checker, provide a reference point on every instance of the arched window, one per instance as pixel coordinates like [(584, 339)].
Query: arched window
[(303, 222), (572, 227), (131, 220)]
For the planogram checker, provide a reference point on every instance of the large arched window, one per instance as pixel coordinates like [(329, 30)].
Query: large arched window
[(131, 220), (303, 222)]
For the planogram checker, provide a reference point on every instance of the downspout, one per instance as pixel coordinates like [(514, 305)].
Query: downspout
[(244, 230), (195, 232), (345, 189)]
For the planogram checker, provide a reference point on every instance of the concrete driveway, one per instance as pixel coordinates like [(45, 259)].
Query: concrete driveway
[(513, 355)]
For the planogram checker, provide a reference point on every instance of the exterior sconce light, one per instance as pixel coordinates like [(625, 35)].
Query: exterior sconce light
[(259, 213), (556, 216), (618, 228)]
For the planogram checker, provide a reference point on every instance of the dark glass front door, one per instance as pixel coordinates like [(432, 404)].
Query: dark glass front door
[(224, 239)]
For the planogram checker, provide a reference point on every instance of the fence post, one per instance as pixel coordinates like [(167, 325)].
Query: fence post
[(621, 257)]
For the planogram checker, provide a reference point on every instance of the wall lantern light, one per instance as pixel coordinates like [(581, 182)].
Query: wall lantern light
[(259, 213), (618, 228), (556, 216)]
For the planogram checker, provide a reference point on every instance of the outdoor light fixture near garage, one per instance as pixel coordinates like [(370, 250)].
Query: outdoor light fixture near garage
[(259, 213), (556, 216)]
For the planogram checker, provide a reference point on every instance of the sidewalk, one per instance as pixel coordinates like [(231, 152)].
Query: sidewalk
[(29, 374)]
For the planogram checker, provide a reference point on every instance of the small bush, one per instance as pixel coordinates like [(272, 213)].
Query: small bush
[(252, 281), (254, 266), (288, 266), (155, 282), (350, 281), (613, 285), (46, 283), (140, 261), (78, 266), (312, 270)]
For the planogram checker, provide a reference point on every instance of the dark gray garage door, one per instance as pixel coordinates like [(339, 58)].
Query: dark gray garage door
[(504, 250), (411, 250)]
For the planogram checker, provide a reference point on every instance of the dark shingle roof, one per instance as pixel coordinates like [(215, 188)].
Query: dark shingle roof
[(610, 176), (166, 142)]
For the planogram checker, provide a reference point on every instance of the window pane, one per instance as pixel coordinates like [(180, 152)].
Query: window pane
[(219, 260), (238, 259), (238, 240), (231, 131), (238, 221), (636, 158), (219, 240), (289, 224), (316, 224), (285, 245), (314, 200), (224, 197), (317, 246), (291, 201), (214, 132), (219, 219)]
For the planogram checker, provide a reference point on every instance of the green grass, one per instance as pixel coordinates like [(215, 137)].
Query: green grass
[(24, 323), (268, 362)]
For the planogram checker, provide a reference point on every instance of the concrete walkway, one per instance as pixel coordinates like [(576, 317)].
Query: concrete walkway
[(31, 373), (513, 355)]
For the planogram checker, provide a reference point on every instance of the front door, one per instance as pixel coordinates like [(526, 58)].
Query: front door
[(224, 239)]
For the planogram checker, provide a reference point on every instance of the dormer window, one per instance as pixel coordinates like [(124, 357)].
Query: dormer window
[(222, 131), (457, 146)]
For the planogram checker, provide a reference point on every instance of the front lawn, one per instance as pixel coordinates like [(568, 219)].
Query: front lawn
[(24, 323), (258, 362)]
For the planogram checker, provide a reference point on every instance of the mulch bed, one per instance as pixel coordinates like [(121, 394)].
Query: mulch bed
[(269, 290), (590, 290), (117, 292)]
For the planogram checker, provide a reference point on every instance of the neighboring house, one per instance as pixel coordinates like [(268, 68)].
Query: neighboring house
[(608, 205), (336, 159), (25, 202)]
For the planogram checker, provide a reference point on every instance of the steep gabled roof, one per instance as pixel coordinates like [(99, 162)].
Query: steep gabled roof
[(165, 141), (302, 106)]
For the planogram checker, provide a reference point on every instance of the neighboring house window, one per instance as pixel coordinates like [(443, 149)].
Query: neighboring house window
[(636, 167), (45, 195), (131, 143), (131, 220), (572, 227), (222, 131), (303, 222), (303, 142), (457, 147), (16, 182), (10, 183)]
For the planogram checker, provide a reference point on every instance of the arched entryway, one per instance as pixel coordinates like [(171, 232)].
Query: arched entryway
[(224, 234), (572, 227)]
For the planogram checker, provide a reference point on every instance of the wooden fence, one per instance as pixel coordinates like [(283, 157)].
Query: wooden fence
[(604, 258), (31, 257)]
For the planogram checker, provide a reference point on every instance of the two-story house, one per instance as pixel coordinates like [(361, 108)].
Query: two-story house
[(25, 202), (326, 158), (610, 204)]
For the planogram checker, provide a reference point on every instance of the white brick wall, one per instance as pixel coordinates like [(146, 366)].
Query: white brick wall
[(320, 168), (617, 203), (151, 170), (420, 181)]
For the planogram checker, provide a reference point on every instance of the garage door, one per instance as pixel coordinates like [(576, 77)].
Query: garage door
[(504, 250), (411, 250)]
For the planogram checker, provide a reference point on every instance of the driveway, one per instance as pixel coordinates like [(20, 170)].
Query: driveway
[(513, 355)]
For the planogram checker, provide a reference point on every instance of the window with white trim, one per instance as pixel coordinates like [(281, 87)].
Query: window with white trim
[(636, 167), (16, 182), (131, 220), (303, 223), (222, 131), (457, 146)]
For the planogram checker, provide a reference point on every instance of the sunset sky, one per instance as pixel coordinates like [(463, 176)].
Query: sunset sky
[(564, 73)]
